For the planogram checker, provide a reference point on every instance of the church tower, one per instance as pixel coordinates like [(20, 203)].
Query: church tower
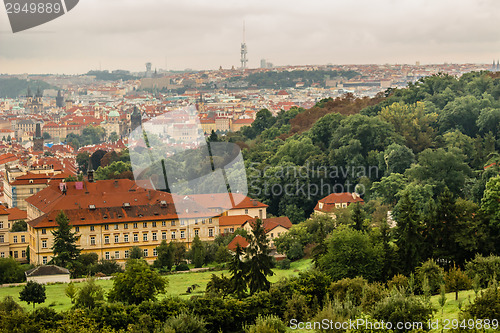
[(38, 139), (135, 119), (60, 99)]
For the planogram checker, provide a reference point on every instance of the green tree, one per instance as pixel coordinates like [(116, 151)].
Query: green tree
[(408, 234), (33, 292), (432, 273), (19, 226), (46, 136), (113, 137), (351, 253), (490, 205), (137, 284), (65, 249), (238, 270), (388, 187), (10, 271), (198, 252), (89, 295), (455, 280), (165, 255), (82, 160), (136, 252), (259, 261), (357, 217)]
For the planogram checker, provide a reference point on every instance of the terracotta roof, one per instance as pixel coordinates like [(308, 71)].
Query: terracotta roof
[(17, 214), (273, 222), (46, 270), (238, 240), (337, 198), (3, 210), (238, 220), (226, 201)]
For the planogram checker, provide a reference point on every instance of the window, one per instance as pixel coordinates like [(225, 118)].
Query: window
[(91, 228), (125, 226), (1, 225), (116, 226), (154, 236), (183, 234), (2, 254), (173, 234), (145, 237), (155, 252), (163, 223), (117, 240), (92, 240), (154, 224), (31, 191), (210, 220), (23, 254), (77, 229), (196, 232), (136, 237), (344, 205), (172, 223), (145, 224), (106, 239), (210, 232), (106, 255), (117, 254), (44, 243), (164, 235), (23, 239), (260, 213), (2, 239), (16, 255), (126, 254), (145, 252), (135, 225), (125, 238), (106, 227), (272, 235), (183, 222), (15, 239), (44, 231), (44, 260)]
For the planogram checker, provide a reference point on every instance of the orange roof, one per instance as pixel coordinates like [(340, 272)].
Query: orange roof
[(3, 210), (337, 198), (17, 214), (243, 121), (238, 240), (32, 178), (226, 201), (236, 220), (273, 222)]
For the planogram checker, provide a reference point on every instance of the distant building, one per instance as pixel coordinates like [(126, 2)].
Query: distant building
[(34, 104), (12, 244), (328, 204), (38, 139), (48, 274)]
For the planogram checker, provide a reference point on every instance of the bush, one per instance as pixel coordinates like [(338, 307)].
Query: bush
[(182, 267), (398, 282), (9, 305), (11, 271), (336, 311), (348, 289), (485, 306), (455, 280), (296, 251), (268, 324), (433, 273), (89, 295), (107, 267), (284, 264), (296, 308), (398, 308), (487, 268), (372, 294)]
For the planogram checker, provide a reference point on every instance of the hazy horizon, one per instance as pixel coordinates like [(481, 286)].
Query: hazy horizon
[(125, 34)]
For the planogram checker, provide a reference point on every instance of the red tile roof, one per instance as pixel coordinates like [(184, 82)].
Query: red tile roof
[(236, 220), (273, 222), (238, 240), (226, 201), (337, 198), (17, 214)]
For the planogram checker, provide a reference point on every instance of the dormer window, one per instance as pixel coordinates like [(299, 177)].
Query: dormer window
[(126, 205), (92, 207)]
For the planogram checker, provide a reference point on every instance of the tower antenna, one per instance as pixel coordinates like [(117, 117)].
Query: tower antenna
[(244, 51)]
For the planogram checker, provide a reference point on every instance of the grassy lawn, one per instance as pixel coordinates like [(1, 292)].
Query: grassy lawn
[(451, 307), (177, 285)]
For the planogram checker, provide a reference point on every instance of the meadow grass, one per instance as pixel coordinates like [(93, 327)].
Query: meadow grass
[(177, 285)]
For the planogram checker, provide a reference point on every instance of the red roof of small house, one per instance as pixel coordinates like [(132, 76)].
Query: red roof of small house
[(337, 198), (235, 220), (238, 240), (226, 201), (273, 222)]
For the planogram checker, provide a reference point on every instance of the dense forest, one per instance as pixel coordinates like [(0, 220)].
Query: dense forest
[(14, 87)]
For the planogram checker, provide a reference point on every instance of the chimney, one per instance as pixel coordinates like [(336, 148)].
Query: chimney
[(90, 176)]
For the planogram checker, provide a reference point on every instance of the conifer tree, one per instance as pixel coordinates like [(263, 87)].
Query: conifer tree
[(259, 261), (65, 249)]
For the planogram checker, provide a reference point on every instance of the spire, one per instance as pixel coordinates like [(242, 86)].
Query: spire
[(39, 92), (38, 131), (29, 94)]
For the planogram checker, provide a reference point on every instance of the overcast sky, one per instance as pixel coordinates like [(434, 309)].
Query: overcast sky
[(206, 34)]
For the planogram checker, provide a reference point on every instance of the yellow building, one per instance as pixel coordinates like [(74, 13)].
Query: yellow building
[(12, 244), (273, 227), (111, 216)]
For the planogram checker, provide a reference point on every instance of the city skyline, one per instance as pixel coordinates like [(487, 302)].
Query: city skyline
[(175, 36)]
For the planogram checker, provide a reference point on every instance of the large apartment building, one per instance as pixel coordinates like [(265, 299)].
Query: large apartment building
[(12, 244), (111, 216)]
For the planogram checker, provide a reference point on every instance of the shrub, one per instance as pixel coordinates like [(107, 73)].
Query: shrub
[(433, 273), (182, 267), (296, 308), (351, 289), (485, 306), (372, 294), (89, 295), (296, 251), (399, 282), (487, 268), (107, 267), (284, 264), (336, 311), (268, 324), (400, 308), (8, 304)]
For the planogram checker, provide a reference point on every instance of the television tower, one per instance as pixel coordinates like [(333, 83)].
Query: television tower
[(244, 52)]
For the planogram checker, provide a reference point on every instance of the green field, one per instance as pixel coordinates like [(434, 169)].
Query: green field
[(177, 285)]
